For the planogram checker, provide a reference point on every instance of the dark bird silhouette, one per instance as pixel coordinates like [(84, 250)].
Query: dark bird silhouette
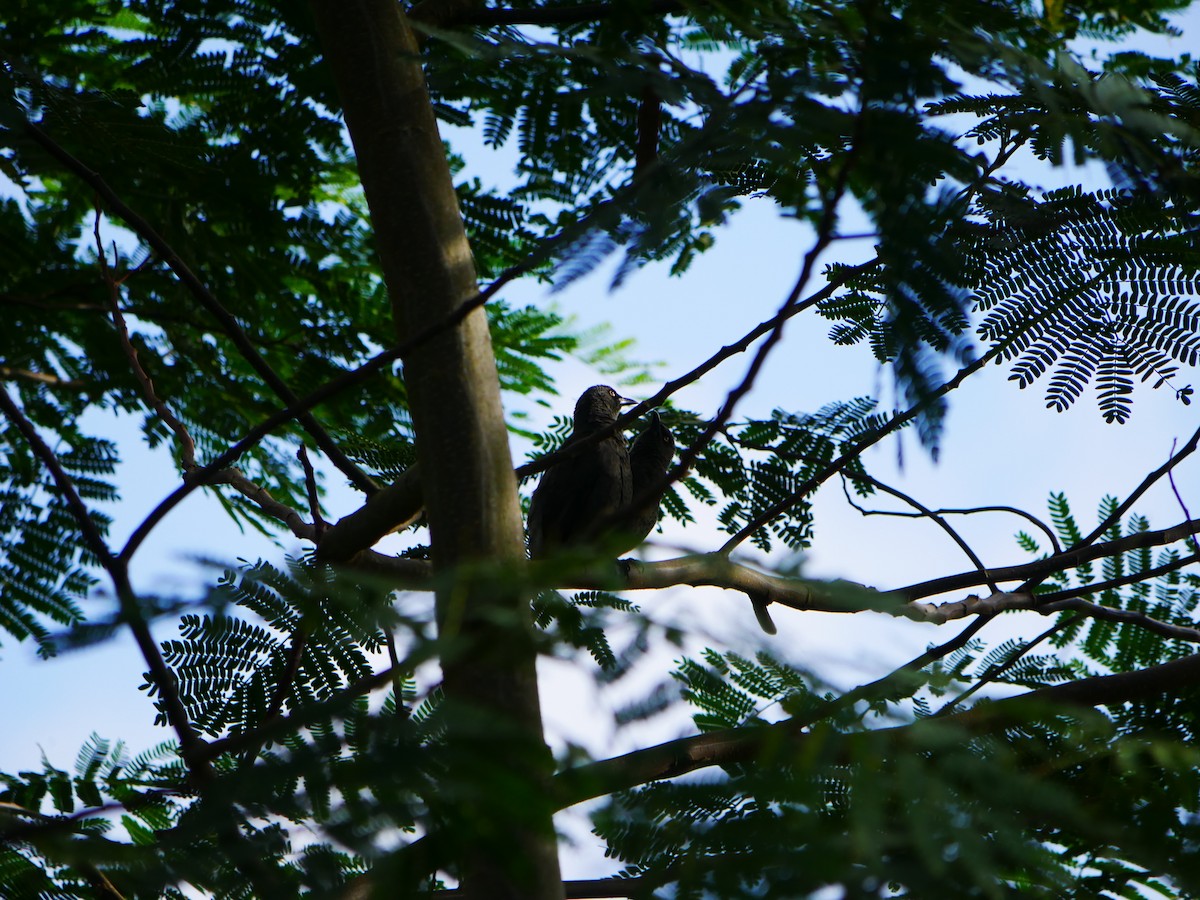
[(649, 458), (589, 488)]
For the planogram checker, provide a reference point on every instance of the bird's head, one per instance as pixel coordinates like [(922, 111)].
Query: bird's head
[(654, 447), (599, 405)]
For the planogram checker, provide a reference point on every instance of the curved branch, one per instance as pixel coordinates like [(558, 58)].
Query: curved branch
[(970, 511), (1028, 516), (262, 498), (922, 511)]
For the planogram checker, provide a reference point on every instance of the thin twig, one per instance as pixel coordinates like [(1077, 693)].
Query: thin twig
[(1179, 497), (46, 819), (206, 298), (261, 497), (300, 718), (100, 882), (187, 446), (922, 511), (291, 668), (996, 671), (1028, 516), (868, 439), (314, 500), (1165, 469), (1060, 601), (969, 511)]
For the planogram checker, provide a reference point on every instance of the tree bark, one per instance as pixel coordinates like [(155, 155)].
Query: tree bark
[(504, 842)]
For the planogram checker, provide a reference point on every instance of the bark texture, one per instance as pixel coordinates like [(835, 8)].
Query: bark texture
[(504, 844)]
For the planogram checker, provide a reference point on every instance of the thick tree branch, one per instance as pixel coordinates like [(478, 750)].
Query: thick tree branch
[(768, 743), (393, 507), (586, 889), (717, 570)]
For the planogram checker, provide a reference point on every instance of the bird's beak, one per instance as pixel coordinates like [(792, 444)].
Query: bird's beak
[(625, 401)]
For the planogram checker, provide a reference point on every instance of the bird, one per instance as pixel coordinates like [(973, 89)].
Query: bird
[(594, 486), (649, 458)]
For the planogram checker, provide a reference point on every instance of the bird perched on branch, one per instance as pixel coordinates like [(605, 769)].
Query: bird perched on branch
[(584, 490), (590, 496)]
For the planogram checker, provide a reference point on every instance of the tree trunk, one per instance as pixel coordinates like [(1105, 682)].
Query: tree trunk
[(504, 844)]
